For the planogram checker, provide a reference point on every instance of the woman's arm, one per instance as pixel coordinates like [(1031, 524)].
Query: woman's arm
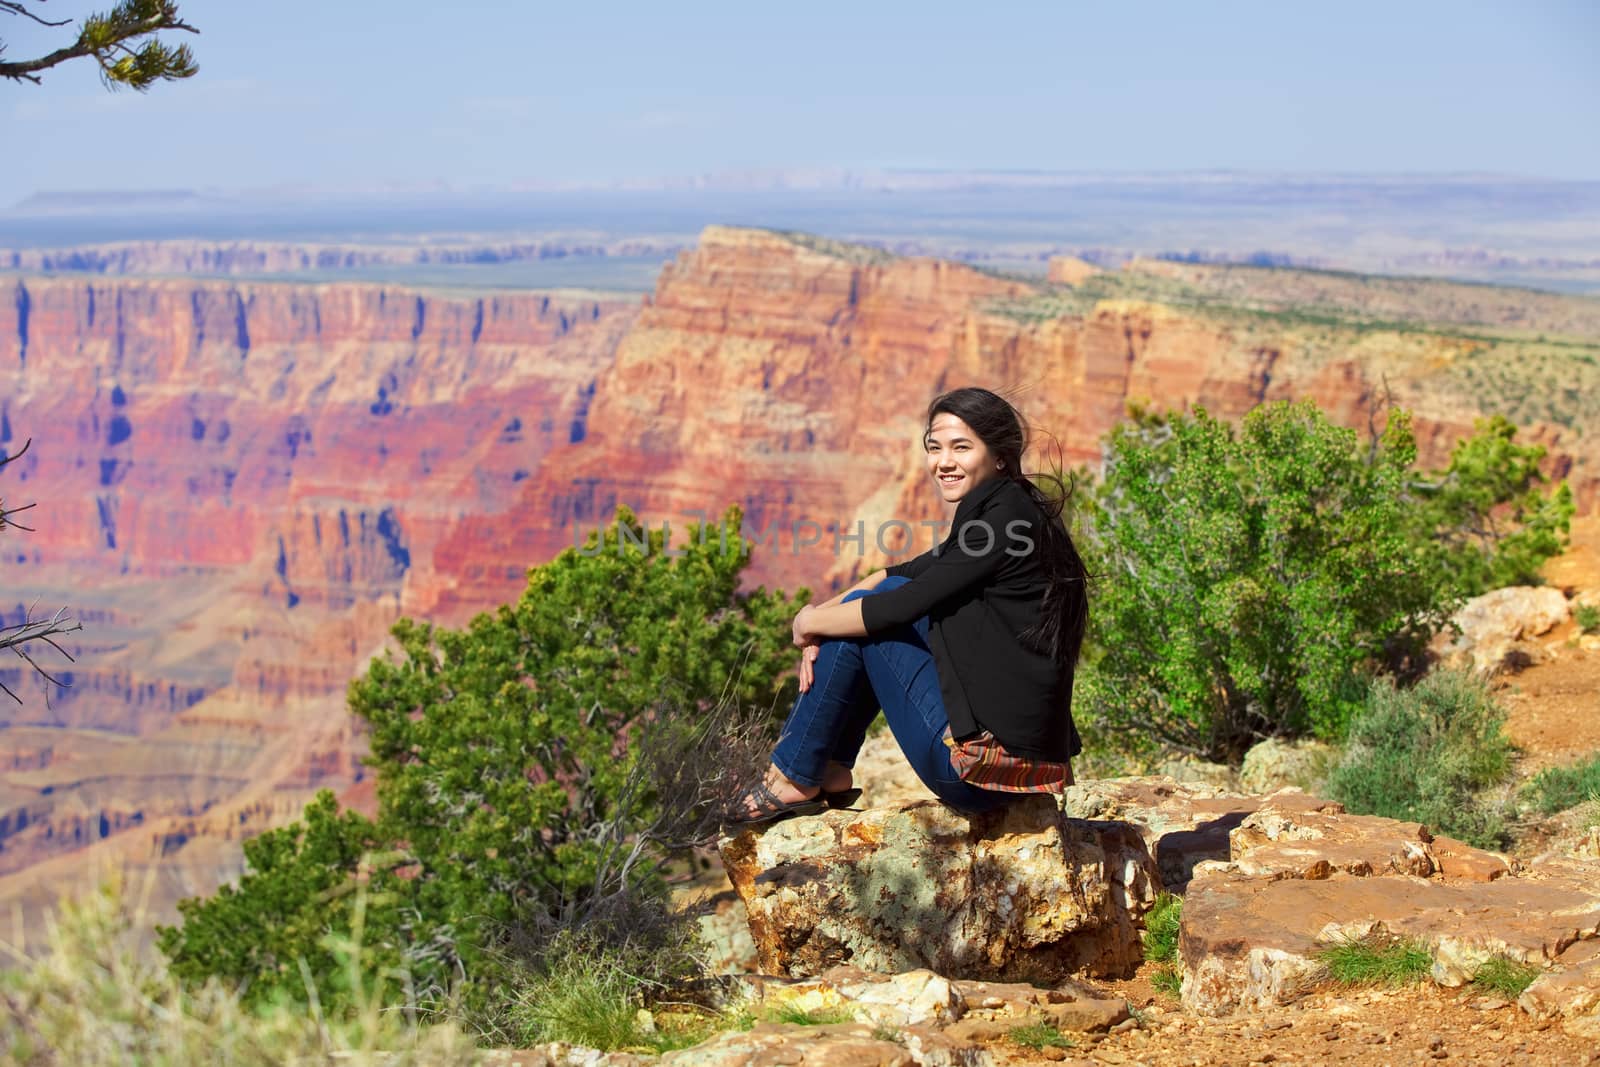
[(830, 620), (806, 638), (869, 582), (834, 618)]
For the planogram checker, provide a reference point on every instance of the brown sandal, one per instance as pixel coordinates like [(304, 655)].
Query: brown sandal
[(769, 809)]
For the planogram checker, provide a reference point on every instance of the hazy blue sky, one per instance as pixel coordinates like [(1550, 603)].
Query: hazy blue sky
[(479, 93)]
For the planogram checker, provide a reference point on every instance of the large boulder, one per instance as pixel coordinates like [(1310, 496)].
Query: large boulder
[(1023, 894), (1494, 631)]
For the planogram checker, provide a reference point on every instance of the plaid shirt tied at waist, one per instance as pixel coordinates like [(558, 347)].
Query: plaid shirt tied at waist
[(982, 761)]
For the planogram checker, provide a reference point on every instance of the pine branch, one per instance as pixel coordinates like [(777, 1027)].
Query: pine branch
[(102, 36)]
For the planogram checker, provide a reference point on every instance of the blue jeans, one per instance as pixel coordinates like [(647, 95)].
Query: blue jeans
[(855, 676)]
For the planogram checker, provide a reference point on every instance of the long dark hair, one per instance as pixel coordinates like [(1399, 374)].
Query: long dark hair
[(1000, 426)]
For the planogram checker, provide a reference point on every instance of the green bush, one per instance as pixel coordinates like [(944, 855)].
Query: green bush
[(1559, 788), (1245, 577), (1249, 581), (1038, 1036), (1426, 754), (793, 1014), (532, 771), (584, 1000), (1494, 523), (1506, 977), (1587, 616), (1161, 926), (1166, 980), (1377, 961)]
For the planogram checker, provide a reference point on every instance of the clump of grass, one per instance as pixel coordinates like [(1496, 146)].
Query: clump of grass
[(794, 1014), (588, 1001), (883, 1032), (1377, 961), (686, 1029), (1559, 788), (1505, 977), (1167, 980), (1038, 1036), (1161, 926), (598, 998), (1428, 754), (95, 997), (1587, 616)]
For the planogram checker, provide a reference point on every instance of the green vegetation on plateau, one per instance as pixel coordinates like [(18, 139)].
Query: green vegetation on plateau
[(1526, 355)]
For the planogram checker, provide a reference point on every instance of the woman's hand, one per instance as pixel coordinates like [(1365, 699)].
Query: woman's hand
[(808, 657), (807, 643), (802, 630)]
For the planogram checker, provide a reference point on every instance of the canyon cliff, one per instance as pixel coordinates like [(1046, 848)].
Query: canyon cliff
[(242, 485)]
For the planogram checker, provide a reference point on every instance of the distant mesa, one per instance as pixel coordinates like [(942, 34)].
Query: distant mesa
[(1070, 270), (66, 202)]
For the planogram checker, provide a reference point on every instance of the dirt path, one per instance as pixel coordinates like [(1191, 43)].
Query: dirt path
[(1420, 1025), (1553, 709)]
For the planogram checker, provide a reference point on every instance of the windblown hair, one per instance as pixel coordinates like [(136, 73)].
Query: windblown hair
[(1065, 612)]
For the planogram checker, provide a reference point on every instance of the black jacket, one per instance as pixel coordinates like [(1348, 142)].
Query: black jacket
[(981, 589)]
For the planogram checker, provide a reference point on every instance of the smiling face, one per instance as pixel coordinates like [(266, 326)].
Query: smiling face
[(957, 459)]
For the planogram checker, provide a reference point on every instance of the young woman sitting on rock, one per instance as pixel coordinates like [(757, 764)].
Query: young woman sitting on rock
[(969, 648)]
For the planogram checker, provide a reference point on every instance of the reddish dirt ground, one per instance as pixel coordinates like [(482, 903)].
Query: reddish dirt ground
[(1364, 1027), (1553, 709)]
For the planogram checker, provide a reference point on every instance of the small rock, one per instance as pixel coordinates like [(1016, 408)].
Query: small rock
[(1487, 1004)]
